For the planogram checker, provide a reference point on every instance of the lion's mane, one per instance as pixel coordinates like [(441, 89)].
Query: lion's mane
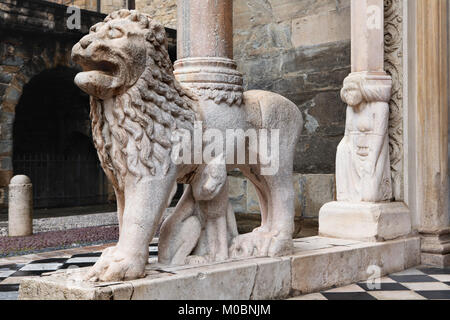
[(137, 140)]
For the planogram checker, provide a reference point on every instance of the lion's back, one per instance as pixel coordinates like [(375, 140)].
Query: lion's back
[(272, 111)]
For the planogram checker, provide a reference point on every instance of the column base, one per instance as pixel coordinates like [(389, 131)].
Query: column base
[(436, 249), (373, 222)]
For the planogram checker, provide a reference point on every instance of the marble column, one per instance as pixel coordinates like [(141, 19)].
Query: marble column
[(205, 50), (432, 130), (363, 210)]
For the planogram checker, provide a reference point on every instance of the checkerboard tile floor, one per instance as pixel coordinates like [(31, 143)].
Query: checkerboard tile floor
[(11, 274), (423, 283)]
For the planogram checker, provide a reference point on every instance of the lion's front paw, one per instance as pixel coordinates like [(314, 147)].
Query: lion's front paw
[(258, 244), (196, 260), (117, 265)]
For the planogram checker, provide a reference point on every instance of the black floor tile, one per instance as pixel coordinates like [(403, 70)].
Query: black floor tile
[(348, 296), (29, 273), (87, 255), (434, 271), (413, 278), (385, 287), (53, 260), (435, 295), (14, 266), (77, 265), (9, 287)]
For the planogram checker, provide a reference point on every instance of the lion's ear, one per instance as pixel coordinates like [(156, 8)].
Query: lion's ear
[(150, 36), (159, 33)]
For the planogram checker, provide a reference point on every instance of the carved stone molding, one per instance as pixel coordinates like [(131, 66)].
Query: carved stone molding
[(393, 64), (211, 78)]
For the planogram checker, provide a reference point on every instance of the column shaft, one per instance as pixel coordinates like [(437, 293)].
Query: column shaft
[(205, 28), (432, 130)]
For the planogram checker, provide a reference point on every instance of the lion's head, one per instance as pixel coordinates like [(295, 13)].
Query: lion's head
[(125, 57), (114, 53)]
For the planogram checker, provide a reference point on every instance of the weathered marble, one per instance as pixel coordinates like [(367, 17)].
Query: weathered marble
[(362, 161)]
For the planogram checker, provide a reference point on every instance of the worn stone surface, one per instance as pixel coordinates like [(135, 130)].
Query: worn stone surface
[(346, 265), (325, 264), (364, 221), (312, 192)]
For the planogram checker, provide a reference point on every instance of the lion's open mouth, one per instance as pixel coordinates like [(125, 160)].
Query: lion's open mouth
[(100, 79), (105, 67)]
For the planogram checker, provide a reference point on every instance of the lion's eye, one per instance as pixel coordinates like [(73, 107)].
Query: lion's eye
[(114, 33)]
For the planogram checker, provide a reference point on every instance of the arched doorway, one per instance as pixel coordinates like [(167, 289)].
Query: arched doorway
[(53, 145)]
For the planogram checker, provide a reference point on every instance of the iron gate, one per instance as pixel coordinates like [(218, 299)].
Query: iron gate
[(62, 181)]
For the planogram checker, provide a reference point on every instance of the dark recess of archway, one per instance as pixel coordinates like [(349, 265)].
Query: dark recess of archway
[(53, 143)]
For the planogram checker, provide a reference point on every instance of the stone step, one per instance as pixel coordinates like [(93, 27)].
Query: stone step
[(317, 264)]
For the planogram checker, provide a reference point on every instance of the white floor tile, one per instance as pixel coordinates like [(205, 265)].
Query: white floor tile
[(5, 274), (410, 272), (312, 296), (350, 288), (426, 286), (41, 266), (83, 260), (441, 277), (396, 295)]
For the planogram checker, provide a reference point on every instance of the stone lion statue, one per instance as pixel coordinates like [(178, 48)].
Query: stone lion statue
[(136, 106)]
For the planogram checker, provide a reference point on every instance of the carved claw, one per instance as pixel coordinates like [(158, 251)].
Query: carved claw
[(117, 265), (258, 244)]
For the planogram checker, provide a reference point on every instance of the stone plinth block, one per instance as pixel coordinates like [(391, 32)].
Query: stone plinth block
[(364, 221), (317, 263), (20, 213)]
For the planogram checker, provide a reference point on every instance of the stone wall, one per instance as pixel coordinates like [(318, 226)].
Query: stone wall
[(313, 190), (163, 11), (300, 49)]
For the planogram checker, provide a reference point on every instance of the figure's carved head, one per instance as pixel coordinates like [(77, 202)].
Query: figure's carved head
[(114, 53), (359, 89), (210, 180), (351, 92)]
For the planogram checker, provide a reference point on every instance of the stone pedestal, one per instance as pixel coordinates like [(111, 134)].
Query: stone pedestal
[(436, 248), (20, 213), (316, 264), (364, 221)]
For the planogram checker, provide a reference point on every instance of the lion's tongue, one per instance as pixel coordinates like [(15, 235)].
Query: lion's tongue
[(98, 84)]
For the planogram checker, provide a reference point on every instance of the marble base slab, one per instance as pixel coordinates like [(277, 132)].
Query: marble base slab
[(317, 263), (365, 221)]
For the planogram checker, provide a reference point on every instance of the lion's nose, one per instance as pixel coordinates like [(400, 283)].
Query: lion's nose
[(85, 42)]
